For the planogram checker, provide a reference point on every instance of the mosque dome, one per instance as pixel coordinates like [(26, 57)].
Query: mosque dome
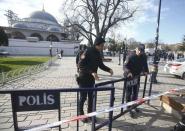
[(42, 15)]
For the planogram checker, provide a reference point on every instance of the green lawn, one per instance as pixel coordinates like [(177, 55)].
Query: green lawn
[(12, 63)]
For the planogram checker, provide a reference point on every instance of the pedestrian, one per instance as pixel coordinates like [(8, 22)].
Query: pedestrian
[(50, 52), (134, 65), (88, 65), (165, 56), (61, 53)]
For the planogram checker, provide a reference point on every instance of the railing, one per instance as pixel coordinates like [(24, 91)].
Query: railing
[(98, 87), (123, 90), (23, 72), (39, 93)]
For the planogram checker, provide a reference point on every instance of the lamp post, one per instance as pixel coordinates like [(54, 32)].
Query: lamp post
[(124, 50), (155, 60), (119, 56)]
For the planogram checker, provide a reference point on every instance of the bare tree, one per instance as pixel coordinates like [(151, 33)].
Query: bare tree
[(96, 17), (181, 47), (3, 37)]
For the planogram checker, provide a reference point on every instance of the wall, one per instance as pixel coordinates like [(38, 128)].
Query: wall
[(23, 47)]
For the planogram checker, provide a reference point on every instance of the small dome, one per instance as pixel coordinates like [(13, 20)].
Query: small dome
[(42, 15), (19, 25), (55, 29)]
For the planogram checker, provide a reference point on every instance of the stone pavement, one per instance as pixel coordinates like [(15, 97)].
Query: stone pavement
[(61, 75)]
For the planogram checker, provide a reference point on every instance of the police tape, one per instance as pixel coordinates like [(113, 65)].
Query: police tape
[(124, 106)]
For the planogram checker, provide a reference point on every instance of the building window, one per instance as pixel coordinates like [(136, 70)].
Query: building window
[(52, 38), (38, 36), (18, 35)]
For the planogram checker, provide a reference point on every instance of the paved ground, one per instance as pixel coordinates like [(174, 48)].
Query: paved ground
[(61, 75)]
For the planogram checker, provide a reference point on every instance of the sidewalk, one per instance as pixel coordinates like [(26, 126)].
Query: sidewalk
[(61, 75)]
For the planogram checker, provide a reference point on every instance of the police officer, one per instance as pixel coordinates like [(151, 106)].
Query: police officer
[(135, 63), (89, 62)]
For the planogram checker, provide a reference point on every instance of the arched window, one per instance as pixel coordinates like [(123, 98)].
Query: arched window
[(18, 35), (37, 35), (52, 38)]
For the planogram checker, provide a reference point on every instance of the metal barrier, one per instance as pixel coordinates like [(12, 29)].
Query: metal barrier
[(46, 99), (122, 112), (20, 98), (23, 72)]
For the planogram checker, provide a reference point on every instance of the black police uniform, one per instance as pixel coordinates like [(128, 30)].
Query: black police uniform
[(90, 61), (80, 52), (134, 64)]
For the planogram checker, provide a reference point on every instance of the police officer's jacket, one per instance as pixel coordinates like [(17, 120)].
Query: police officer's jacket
[(80, 52), (90, 61), (135, 64)]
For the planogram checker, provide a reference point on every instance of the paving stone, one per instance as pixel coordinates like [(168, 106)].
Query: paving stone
[(33, 117), (4, 120), (24, 123), (9, 129), (6, 125), (61, 75), (7, 110), (49, 116), (38, 122)]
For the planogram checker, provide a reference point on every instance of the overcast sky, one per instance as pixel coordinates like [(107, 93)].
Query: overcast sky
[(142, 27)]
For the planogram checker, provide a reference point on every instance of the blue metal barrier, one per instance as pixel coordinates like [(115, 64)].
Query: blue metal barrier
[(98, 87), (22, 94), (122, 112)]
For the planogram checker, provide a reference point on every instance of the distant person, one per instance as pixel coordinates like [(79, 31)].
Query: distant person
[(165, 56), (89, 62), (50, 52), (61, 53)]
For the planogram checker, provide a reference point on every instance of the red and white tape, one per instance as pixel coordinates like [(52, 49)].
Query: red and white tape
[(96, 113)]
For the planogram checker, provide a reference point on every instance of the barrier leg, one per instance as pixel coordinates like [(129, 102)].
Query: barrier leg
[(144, 90), (123, 96), (77, 128), (59, 116), (15, 122), (111, 105), (150, 90), (94, 109)]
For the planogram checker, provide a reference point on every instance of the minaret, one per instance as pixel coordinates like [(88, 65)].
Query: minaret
[(43, 8)]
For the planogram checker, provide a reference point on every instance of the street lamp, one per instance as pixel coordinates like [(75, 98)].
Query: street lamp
[(119, 56), (155, 60), (124, 50)]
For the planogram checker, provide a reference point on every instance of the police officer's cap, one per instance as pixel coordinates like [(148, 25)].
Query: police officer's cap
[(141, 47), (99, 40)]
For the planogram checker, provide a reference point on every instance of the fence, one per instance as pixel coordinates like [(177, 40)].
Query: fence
[(23, 72), (23, 96), (26, 100)]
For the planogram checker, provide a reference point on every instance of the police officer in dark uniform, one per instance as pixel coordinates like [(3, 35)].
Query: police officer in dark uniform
[(89, 62), (135, 64)]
